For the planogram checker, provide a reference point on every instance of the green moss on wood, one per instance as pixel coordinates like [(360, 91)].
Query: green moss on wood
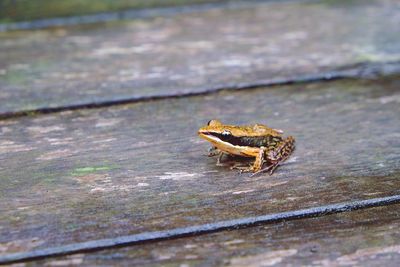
[(90, 169)]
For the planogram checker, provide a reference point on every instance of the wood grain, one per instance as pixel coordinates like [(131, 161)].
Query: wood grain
[(192, 53), (91, 174), (360, 238), (42, 9)]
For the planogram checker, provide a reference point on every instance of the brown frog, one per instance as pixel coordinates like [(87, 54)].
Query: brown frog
[(257, 141)]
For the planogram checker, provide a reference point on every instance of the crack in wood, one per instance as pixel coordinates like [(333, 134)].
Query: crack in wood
[(157, 236)]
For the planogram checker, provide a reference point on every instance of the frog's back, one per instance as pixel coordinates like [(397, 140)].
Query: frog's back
[(262, 130), (267, 141)]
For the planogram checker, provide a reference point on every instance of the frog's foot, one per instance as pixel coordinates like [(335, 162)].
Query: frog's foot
[(213, 151), (271, 168), (221, 154), (242, 168)]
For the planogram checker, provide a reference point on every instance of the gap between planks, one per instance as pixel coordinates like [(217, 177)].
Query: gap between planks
[(157, 236), (357, 71)]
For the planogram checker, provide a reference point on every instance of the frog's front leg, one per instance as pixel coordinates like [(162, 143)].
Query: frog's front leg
[(279, 155), (213, 151), (221, 154)]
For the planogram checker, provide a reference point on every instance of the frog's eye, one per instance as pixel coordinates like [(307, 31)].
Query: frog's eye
[(214, 123), (226, 133)]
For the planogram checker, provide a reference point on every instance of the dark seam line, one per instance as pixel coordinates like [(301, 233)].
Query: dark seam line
[(142, 238), (139, 13), (359, 71)]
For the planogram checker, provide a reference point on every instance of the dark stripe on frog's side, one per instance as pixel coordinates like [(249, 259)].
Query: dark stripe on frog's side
[(251, 141)]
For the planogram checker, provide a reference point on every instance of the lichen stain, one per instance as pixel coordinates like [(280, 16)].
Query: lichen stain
[(7, 146), (101, 141), (79, 39), (4, 130), (265, 259), (190, 246), (191, 257), (258, 186), (102, 183), (8, 122), (59, 141), (243, 192), (234, 242), (389, 99), (20, 245), (179, 176), (360, 254), (57, 154), (107, 122), (269, 185), (164, 256), (44, 130), (117, 50), (71, 260)]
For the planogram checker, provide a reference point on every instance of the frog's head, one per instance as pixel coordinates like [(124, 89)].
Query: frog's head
[(217, 132), (215, 127)]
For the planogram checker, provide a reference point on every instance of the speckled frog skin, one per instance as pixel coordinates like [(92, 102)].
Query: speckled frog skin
[(265, 144)]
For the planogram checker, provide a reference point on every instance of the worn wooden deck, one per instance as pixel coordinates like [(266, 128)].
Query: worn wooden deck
[(100, 162)]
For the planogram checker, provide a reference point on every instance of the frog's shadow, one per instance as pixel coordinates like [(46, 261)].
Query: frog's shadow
[(229, 160)]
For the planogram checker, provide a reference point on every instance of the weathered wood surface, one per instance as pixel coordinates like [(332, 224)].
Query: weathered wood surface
[(361, 238), (90, 174), (42, 9), (192, 52)]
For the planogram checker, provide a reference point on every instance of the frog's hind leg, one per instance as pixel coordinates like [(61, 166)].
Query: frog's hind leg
[(257, 165), (259, 162), (279, 155)]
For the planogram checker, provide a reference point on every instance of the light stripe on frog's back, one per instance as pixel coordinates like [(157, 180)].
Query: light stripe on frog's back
[(267, 141)]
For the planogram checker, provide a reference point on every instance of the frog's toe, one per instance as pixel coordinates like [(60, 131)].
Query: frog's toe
[(271, 168), (242, 168)]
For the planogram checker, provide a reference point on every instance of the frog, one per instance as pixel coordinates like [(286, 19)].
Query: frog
[(265, 144)]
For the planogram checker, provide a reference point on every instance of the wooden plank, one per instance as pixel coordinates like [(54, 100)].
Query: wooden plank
[(92, 174), (192, 53), (361, 238), (42, 9), (195, 230)]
